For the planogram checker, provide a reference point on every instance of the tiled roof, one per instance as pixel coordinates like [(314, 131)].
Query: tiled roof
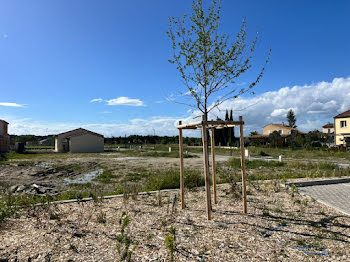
[(3, 121), (344, 114), (78, 132), (329, 125)]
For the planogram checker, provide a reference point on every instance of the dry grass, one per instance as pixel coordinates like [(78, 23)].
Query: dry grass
[(75, 231)]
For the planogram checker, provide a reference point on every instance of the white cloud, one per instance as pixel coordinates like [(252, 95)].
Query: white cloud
[(96, 100), (7, 104), (314, 105), (124, 101)]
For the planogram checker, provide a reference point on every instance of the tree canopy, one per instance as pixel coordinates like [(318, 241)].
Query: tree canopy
[(208, 61), (291, 118)]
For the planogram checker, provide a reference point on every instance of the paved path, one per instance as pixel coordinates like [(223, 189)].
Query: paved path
[(336, 195)]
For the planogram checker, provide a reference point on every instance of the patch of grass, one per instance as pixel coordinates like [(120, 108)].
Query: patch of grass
[(73, 248), (102, 217), (255, 163), (39, 147), (141, 153), (81, 186), (14, 155), (6, 209), (169, 179), (106, 177), (327, 166), (67, 195)]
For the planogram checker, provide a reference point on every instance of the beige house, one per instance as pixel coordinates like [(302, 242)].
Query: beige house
[(328, 128), (342, 129), (4, 137), (79, 141), (282, 129)]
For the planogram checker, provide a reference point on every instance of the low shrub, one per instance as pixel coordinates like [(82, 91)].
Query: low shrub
[(262, 153), (234, 162)]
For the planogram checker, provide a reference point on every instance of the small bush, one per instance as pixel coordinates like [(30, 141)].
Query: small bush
[(124, 240), (170, 243), (102, 218), (262, 153)]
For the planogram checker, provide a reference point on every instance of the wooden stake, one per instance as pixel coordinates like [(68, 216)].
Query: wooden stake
[(244, 185), (206, 165), (182, 179), (213, 166)]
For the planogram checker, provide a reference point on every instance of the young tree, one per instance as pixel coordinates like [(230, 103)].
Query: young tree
[(209, 64), (291, 118), (208, 61)]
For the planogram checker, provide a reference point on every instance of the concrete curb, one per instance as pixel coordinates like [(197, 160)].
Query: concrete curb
[(320, 182), (107, 197)]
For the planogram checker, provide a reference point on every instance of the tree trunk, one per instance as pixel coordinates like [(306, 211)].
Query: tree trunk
[(206, 164)]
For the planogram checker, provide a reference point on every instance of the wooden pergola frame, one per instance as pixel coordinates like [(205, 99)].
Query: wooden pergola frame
[(204, 126)]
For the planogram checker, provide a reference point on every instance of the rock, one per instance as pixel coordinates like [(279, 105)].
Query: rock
[(13, 189), (21, 188)]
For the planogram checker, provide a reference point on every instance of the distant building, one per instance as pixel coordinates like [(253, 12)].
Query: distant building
[(328, 129), (342, 129), (46, 142), (282, 129), (4, 137), (79, 141)]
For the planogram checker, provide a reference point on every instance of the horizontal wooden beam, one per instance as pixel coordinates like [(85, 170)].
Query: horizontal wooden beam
[(211, 124), (193, 125)]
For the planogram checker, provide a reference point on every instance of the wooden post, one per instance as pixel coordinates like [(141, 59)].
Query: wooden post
[(244, 185), (182, 179), (213, 166), (206, 165)]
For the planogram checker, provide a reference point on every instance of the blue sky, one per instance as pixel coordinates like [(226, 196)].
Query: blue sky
[(57, 56)]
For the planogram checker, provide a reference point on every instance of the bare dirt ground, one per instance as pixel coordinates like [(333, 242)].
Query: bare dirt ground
[(89, 231), (53, 170)]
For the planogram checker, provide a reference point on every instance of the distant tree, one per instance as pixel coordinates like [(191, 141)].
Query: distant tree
[(314, 138), (275, 139), (27, 138), (253, 133), (291, 119)]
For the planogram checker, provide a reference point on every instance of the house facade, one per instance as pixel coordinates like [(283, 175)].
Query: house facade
[(342, 129), (328, 129), (79, 141), (282, 129), (4, 137)]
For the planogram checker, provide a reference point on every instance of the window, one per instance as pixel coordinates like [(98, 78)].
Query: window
[(342, 124)]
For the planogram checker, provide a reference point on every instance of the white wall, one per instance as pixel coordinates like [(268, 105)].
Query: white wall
[(86, 143)]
